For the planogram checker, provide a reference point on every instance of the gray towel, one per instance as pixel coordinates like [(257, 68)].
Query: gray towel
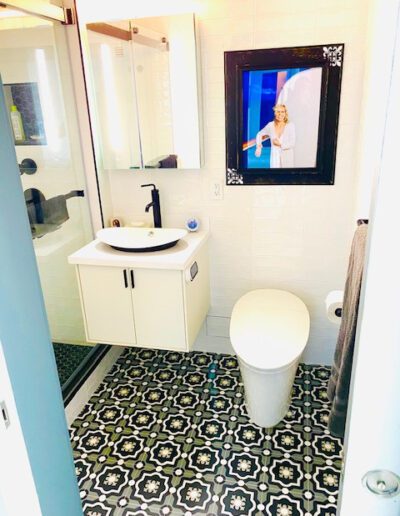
[(339, 382)]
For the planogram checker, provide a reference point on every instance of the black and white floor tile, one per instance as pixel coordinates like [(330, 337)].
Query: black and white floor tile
[(168, 433)]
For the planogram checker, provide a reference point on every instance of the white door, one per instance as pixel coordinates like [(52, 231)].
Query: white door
[(16, 477), (373, 428)]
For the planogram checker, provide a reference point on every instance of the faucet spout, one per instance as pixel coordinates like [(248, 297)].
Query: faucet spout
[(150, 205)]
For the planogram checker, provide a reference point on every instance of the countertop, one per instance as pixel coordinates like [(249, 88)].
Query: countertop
[(178, 257)]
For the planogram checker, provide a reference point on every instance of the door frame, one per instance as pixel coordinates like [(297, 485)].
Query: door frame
[(17, 477), (27, 347), (42, 9), (373, 423)]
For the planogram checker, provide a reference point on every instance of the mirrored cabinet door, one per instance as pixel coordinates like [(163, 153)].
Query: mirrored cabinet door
[(144, 89), (151, 64), (114, 107)]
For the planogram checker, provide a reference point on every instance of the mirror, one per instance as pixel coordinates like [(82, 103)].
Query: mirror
[(145, 105)]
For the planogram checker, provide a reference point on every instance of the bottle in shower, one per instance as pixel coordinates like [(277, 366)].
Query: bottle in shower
[(17, 125)]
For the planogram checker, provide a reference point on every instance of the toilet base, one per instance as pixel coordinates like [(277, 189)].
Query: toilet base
[(267, 393)]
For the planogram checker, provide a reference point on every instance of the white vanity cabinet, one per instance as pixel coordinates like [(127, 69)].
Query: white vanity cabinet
[(155, 300)]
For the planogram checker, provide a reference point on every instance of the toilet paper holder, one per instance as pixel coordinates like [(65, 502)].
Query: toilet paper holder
[(334, 306)]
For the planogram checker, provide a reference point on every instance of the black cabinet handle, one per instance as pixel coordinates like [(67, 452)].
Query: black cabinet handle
[(125, 278), (132, 280)]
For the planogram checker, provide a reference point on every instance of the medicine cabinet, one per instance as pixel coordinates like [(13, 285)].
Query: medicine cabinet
[(143, 91)]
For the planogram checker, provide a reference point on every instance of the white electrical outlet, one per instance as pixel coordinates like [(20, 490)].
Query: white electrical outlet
[(217, 190)]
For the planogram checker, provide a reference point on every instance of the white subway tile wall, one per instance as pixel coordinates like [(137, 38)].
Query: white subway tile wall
[(290, 237)]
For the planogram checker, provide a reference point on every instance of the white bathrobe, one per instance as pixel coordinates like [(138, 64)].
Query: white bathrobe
[(283, 156)]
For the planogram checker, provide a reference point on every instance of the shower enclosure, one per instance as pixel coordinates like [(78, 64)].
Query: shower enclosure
[(37, 78)]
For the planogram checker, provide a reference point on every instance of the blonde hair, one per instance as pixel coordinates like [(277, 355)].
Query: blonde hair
[(286, 119)]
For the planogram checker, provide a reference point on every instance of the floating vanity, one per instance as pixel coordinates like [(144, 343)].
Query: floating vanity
[(151, 299)]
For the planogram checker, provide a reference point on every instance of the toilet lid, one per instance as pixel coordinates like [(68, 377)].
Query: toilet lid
[(269, 328)]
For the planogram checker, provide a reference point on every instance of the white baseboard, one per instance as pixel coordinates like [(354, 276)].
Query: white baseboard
[(218, 326), (212, 343)]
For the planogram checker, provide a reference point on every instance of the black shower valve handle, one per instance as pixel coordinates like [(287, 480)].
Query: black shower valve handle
[(75, 193), (28, 166)]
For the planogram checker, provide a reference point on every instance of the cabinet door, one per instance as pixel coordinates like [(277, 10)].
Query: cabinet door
[(159, 309), (107, 304)]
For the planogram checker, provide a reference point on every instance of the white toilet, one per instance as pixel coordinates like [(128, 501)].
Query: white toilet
[(269, 331)]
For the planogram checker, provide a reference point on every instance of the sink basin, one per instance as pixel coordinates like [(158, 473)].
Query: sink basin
[(140, 240)]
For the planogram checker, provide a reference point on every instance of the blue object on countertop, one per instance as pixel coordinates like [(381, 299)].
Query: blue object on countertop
[(192, 224)]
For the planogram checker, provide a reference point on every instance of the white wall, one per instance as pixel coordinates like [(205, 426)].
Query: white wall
[(291, 237)]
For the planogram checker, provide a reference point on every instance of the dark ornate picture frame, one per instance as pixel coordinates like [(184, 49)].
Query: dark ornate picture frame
[(304, 84)]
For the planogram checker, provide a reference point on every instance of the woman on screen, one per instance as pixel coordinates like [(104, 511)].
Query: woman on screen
[(282, 134)]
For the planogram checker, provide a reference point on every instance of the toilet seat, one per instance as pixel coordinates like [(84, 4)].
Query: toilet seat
[(269, 328)]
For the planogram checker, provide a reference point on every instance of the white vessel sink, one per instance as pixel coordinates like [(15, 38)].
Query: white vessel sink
[(140, 240)]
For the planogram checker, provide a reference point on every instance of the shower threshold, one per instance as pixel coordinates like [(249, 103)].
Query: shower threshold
[(75, 363)]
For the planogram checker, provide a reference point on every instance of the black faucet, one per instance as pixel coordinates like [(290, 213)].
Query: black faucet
[(155, 204)]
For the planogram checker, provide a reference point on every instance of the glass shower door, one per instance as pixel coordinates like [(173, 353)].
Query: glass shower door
[(39, 93)]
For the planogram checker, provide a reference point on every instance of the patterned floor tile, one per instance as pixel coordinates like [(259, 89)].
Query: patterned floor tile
[(168, 433)]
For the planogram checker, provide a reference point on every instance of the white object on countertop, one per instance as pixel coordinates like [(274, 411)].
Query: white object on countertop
[(178, 257), (269, 331), (333, 302), (192, 224)]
